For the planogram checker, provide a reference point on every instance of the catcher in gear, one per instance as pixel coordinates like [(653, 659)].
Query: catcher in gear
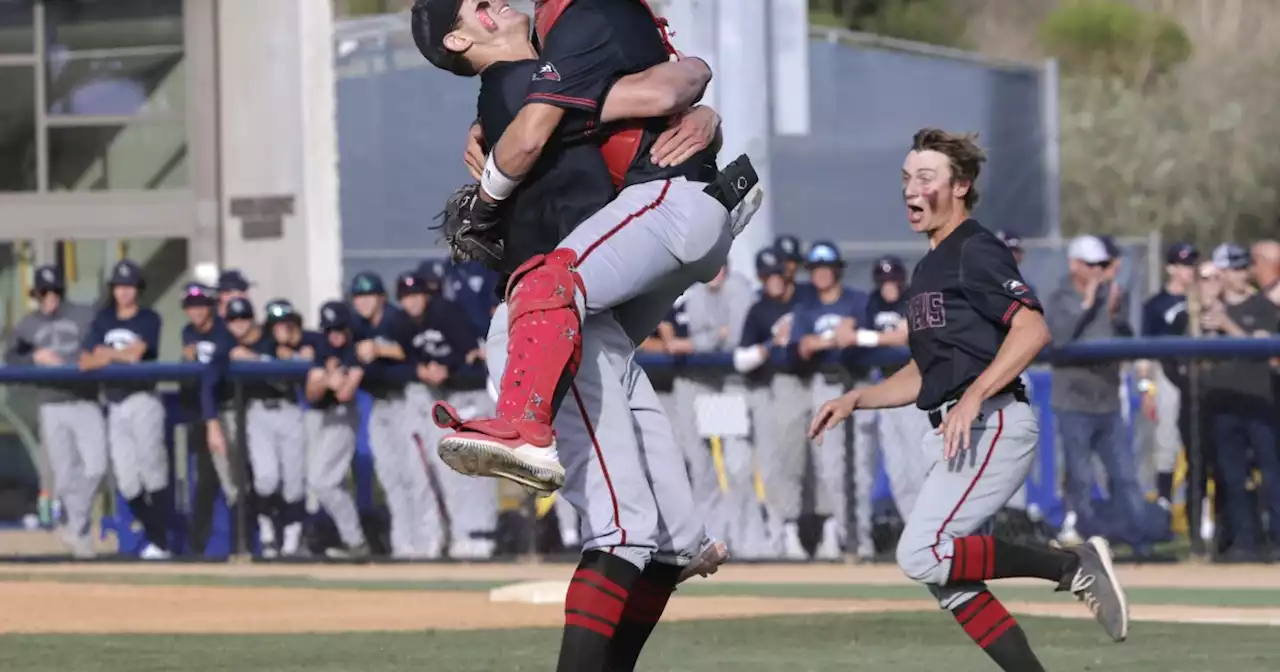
[(468, 239), (624, 495)]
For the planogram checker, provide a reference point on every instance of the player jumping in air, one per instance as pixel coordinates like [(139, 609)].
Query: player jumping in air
[(974, 327)]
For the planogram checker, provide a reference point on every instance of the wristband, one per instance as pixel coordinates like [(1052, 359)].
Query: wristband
[(495, 182), (749, 358), (866, 338)]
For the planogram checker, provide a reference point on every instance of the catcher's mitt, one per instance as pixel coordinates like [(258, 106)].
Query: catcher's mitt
[(469, 227)]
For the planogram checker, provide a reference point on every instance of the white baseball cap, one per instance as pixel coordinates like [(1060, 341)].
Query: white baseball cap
[(1089, 249)]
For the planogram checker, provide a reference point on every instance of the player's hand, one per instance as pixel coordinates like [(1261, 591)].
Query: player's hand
[(432, 373), (1113, 299), (46, 357), (474, 155), (474, 355), (366, 351), (679, 346), (957, 427), (1091, 292), (1212, 318), (692, 132), (832, 414), (782, 331)]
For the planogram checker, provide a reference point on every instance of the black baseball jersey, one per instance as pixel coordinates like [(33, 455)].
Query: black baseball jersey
[(591, 46), (568, 184), (963, 295), (384, 378)]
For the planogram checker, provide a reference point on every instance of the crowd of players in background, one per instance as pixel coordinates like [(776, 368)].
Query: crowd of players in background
[(752, 482)]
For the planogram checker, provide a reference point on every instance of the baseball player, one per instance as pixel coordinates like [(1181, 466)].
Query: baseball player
[(384, 343), (792, 258), (126, 333), (825, 324), (635, 503), (332, 423), (778, 401), (205, 339), (275, 435), (469, 285), (231, 285), (441, 342), (900, 431), (974, 327), (72, 429)]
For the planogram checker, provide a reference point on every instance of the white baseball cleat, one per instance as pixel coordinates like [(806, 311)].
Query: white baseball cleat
[(482, 448), (153, 552)]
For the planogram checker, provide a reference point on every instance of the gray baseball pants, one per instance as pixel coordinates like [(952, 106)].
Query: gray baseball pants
[(277, 448), (707, 493), (830, 465), (415, 529), (470, 504), (960, 496), (331, 441), (902, 447), (135, 435), (624, 473), (782, 456), (75, 439)]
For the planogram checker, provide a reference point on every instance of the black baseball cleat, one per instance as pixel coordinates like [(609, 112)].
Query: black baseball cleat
[(1094, 582)]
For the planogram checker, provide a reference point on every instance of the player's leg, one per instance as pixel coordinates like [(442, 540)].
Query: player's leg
[(266, 473), (624, 250), (427, 533), (387, 444), (830, 471), (782, 461), (472, 503), (1117, 453), (1076, 431), (334, 444), (902, 432), (696, 452), (291, 449), (940, 548), (88, 429), (865, 463), (146, 413), (57, 439)]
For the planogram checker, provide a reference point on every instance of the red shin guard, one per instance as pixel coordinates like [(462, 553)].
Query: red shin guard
[(545, 345)]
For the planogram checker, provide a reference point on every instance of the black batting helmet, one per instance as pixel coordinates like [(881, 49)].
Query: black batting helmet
[(888, 269)]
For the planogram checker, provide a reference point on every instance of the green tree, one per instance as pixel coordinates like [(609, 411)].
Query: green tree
[(1114, 39), (932, 21)]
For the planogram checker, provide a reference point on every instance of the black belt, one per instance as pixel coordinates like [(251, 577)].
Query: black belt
[(935, 416), (732, 184), (275, 403)]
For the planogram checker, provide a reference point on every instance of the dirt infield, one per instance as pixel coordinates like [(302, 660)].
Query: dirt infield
[(87, 606)]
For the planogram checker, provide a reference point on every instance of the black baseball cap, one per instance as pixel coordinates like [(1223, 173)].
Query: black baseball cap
[(789, 247), (126, 273), (48, 279), (410, 282), (280, 310), (239, 308), (430, 21), (334, 316), (824, 253), (1182, 254), (769, 262), (367, 282), (233, 281), (888, 269), (196, 294)]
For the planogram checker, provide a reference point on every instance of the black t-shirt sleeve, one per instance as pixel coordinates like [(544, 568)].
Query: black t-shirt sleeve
[(577, 67), (991, 282)]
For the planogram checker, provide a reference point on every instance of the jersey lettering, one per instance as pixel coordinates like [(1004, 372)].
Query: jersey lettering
[(927, 311), (119, 339)]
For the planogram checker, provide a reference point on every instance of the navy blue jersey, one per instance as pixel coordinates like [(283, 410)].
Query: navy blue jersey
[(1165, 314), (476, 290), (764, 319), (884, 315), (344, 357), (590, 47), (678, 320), (382, 376), (804, 292), (442, 335), (212, 347), (268, 349), (569, 182), (812, 316), (313, 339), (110, 330), (963, 296)]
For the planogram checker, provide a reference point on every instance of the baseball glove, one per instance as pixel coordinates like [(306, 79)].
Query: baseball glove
[(470, 227)]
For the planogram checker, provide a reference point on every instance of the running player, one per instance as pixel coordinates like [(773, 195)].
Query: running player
[(974, 326)]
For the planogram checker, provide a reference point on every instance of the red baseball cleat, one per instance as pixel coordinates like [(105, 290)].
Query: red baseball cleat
[(496, 447)]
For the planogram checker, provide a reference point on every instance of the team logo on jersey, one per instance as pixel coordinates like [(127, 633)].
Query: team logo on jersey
[(47, 275), (119, 339), (927, 310), (432, 342), (887, 320), (205, 351), (1173, 312), (547, 72), (476, 283), (1015, 287)]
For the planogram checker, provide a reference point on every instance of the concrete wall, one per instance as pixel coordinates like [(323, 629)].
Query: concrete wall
[(277, 138)]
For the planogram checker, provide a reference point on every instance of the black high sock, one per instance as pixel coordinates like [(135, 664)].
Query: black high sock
[(983, 558), (1164, 486), (592, 609), (145, 511), (294, 512), (645, 604), (989, 624)]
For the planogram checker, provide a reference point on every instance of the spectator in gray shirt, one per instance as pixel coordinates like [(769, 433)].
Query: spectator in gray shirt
[(1085, 398), (72, 429)]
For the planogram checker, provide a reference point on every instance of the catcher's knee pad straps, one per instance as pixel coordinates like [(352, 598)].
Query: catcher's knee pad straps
[(545, 348)]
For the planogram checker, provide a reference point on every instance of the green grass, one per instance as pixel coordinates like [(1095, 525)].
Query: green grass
[(1221, 597), (926, 642)]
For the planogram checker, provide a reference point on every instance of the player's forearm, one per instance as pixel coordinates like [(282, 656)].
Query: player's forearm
[(348, 391), (97, 359), (1027, 336), (316, 385), (661, 91), (390, 351), (519, 149), (130, 354), (900, 389)]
